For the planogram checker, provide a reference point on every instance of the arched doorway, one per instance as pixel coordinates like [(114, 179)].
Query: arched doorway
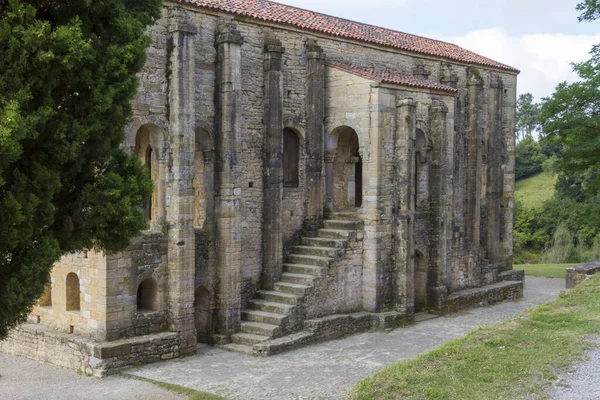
[(202, 315), (345, 170), (421, 282)]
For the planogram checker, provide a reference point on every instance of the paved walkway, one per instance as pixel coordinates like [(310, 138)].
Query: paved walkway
[(329, 370), (581, 382), (24, 379), (325, 371)]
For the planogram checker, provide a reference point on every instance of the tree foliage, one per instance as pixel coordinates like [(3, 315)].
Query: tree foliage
[(529, 157), (571, 116), (67, 76), (527, 116)]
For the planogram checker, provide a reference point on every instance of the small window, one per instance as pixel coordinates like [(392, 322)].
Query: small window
[(146, 296), (291, 158), (73, 293)]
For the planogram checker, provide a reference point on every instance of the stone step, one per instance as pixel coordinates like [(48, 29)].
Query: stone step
[(263, 317), (248, 339), (300, 279), (239, 348), (324, 242), (292, 288), (345, 215), (340, 224), (259, 328), (309, 260), (332, 252), (270, 306), (305, 269), (280, 297), (333, 233)]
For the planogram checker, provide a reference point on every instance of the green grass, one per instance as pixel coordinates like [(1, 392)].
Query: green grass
[(545, 270), (191, 394), (515, 359), (536, 189)]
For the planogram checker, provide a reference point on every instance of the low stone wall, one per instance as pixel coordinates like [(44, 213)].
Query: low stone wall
[(78, 353), (512, 275), (483, 296), (580, 273)]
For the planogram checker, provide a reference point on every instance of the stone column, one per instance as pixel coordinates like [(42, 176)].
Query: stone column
[(404, 224), (474, 162), (180, 212), (495, 173), (273, 173), (329, 159), (437, 221), (315, 112), (228, 189)]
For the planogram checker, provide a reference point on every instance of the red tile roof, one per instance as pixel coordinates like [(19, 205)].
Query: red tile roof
[(391, 77), (283, 14)]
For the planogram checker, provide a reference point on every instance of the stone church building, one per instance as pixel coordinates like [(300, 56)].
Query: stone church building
[(313, 177)]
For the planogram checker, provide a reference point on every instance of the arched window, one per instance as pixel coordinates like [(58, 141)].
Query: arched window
[(421, 172), (146, 296), (73, 292), (203, 178), (291, 158), (145, 143), (46, 299)]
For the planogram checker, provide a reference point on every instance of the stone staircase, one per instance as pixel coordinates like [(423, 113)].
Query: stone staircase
[(279, 312)]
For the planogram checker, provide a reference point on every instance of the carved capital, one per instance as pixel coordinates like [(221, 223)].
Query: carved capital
[(330, 156), (439, 107), (408, 102), (228, 33)]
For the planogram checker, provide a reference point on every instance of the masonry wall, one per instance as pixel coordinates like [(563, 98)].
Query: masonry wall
[(478, 122)]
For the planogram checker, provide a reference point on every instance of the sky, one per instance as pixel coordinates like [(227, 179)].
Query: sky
[(539, 37)]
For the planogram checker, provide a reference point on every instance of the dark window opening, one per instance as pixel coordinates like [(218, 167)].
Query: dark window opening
[(291, 158)]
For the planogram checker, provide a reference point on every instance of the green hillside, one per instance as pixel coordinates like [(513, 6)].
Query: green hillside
[(536, 189)]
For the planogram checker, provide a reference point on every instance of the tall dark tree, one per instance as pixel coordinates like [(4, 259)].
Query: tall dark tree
[(67, 77), (571, 116), (527, 116)]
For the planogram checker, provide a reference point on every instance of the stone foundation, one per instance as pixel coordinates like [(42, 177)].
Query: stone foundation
[(484, 296), (75, 352), (580, 273)]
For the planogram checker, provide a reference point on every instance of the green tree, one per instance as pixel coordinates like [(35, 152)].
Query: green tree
[(529, 157), (67, 77), (527, 116), (571, 116)]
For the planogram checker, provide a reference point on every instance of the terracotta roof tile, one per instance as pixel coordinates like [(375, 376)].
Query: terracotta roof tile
[(283, 14), (391, 77)]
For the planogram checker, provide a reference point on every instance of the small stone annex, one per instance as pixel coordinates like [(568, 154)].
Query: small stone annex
[(313, 177)]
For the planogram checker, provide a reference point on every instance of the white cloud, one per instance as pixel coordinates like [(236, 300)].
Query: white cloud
[(544, 59)]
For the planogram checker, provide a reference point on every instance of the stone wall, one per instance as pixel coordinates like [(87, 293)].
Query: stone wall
[(78, 353)]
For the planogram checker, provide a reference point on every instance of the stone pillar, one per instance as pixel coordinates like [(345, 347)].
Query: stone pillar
[(474, 162), (403, 203), (315, 112), (180, 212), (329, 159), (228, 189), (495, 176), (509, 100), (273, 173), (437, 221)]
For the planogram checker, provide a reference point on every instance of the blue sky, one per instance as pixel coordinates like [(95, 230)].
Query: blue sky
[(540, 37)]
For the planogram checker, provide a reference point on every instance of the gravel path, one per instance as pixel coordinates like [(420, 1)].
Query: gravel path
[(582, 382), (324, 371), (24, 379), (329, 370)]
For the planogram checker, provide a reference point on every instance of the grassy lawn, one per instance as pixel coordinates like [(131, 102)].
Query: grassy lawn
[(515, 359), (533, 191), (545, 270)]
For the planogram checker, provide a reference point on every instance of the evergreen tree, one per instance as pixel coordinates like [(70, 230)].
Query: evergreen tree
[(67, 77), (527, 116)]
